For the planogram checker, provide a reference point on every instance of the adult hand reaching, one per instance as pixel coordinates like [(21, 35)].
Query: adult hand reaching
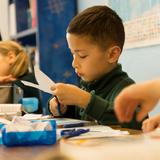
[(144, 94)]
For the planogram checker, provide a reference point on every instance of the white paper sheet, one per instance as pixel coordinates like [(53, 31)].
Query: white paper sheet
[(44, 82), (97, 131)]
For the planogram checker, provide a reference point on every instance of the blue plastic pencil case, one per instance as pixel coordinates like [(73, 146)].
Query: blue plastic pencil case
[(46, 137)]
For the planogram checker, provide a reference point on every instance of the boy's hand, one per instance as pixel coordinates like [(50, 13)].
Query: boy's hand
[(53, 105), (71, 95)]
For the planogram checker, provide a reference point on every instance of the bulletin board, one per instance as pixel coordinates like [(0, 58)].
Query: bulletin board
[(141, 21)]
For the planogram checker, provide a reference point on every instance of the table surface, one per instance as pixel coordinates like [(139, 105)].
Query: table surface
[(37, 152)]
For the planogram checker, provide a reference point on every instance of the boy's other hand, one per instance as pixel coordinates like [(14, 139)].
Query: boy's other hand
[(53, 105), (68, 94)]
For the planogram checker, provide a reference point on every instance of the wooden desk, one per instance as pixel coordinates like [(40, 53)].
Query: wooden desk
[(128, 147), (37, 152), (25, 153)]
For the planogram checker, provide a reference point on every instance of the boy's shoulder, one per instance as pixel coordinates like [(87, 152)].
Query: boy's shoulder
[(121, 77), (116, 80), (120, 74)]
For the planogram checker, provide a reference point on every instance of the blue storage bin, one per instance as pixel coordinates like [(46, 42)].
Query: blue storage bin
[(46, 137)]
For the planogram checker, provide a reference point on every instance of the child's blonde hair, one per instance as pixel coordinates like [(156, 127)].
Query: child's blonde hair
[(20, 66)]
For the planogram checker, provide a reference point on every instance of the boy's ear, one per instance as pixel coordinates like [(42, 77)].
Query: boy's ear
[(113, 54)]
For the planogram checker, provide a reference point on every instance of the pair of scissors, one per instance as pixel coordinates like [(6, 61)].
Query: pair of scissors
[(44, 84), (68, 133)]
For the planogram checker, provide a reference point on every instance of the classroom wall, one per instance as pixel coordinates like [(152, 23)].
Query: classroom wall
[(140, 63), (82, 4)]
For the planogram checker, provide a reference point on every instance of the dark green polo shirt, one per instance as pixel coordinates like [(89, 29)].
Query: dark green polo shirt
[(103, 93)]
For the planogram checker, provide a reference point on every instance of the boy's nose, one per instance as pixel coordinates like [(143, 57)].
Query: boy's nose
[(75, 63)]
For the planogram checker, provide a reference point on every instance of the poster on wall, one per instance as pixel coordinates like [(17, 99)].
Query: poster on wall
[(141, 21)]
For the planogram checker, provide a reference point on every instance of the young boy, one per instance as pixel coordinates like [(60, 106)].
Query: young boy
[(95, 38)]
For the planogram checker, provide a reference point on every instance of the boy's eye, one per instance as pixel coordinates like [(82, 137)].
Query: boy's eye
[(83, 56)]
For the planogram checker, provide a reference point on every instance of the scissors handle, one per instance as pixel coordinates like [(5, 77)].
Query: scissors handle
[(58, 107)]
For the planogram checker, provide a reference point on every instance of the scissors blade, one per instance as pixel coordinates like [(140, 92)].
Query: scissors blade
[(36, 86)]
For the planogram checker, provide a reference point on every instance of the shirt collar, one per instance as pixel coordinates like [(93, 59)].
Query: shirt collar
[(101, 82)]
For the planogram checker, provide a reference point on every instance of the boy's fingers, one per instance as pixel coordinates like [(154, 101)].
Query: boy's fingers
[(55, 112), (53, 88), (53, 105)]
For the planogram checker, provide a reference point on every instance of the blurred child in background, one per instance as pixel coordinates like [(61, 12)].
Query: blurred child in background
[(14, 64)]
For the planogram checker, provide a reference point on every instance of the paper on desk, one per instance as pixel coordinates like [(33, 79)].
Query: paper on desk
[(97, 131), (4, 121), (33, 116), (44, 82)]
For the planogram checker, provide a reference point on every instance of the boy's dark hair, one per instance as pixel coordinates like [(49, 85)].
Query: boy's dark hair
[(101, 24)]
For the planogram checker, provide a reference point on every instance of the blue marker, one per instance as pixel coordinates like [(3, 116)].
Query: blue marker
[(73, 132)]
